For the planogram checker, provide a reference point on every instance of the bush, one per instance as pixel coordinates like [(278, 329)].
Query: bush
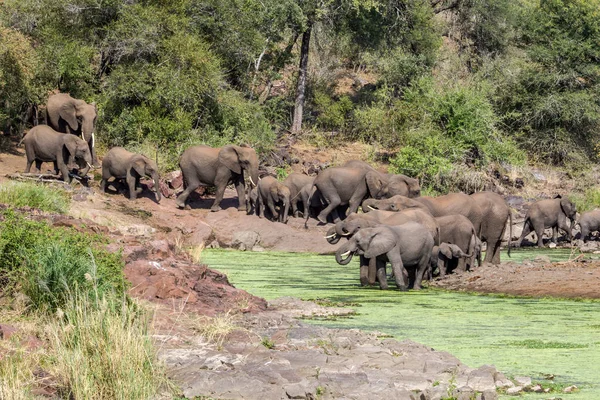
[(50, 265), (587, 201), (20, 194)]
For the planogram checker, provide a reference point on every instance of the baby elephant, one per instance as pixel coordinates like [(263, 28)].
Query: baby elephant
[(122, 164), (273, 193), (589, 222), (442, 255), (44, 144)]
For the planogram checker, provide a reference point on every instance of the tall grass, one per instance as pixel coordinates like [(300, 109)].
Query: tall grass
[(21, 194), (16, 374), (587, 201), (102, 350)]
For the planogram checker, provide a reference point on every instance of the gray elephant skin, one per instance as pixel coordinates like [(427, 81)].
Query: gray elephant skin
[(204, 165), (121, 164), (496, 215), (443, 255), (69, 115), (405, 246), (549, 213), (396, 184), (341, 186), (450, 204), (300, 186), (276, 196), (589, 222), (459, 231), (44, 144)]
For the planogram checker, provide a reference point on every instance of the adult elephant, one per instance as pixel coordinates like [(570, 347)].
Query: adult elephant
[(497, 214), (69, 115), (342, 185), (44, 144), (272, 193), (550, 213), (122, 164), (204, 165), (453, 203), (407, 245), (299, 185), (396, 184), (354, 222)]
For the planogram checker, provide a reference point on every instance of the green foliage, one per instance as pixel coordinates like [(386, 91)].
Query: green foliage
[(50, 265), (20, 194), (587, 201), (332, 113)]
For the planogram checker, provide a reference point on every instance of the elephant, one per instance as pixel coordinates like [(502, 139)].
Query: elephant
[(273, 193), (252, 201), (341, 185), (396, 184), (453, 203), (299, 185), (444, 254), (122, 164), (68, 115), (407, 245), (44, 144), (204, 165), (496, 213), (458, 230), (549, 213), (589, 222)]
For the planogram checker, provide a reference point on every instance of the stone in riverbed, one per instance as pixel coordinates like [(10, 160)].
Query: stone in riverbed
[(523, 381), (514, 390), (482, 378)]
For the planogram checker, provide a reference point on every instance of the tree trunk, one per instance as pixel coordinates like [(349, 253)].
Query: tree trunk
[(299, 105)]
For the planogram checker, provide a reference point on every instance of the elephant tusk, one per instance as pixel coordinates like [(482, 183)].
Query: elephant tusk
[(93, 140), (251, 181), (346, 254), (331, 236), (88, 164), (372, 208)]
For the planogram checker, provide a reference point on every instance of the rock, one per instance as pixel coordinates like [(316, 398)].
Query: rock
[(552, 245), (258, 249), (523, 381), (570, 389), (502, 384), (542, 259), (514, 390), (299, 390), (160, 248), (489, 395), (482, 379), (245, 240), (464, 393), (536, 389), (6, 331), (214, 245), (174, 179)]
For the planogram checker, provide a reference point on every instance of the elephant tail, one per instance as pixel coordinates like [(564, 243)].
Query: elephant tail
[(510, 230), (313, 190)]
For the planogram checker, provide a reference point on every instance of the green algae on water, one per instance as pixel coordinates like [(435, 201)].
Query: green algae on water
[(520, 336)]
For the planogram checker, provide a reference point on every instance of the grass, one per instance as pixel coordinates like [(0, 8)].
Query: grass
[(215, 329), (22, 194), (543, 344)]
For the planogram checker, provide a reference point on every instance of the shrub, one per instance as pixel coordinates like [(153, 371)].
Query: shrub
[(332, 113), (587, 201), (20, 194)]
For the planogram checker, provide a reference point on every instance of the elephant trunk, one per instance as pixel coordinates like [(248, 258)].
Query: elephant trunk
[(156, 187), (343, 256), (253, 175), (340, 229), (84, 164), (286, 210), (332, 237)]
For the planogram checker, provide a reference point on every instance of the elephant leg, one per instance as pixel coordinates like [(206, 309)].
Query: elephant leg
[(526, 231), (181, 199), (381, 276), (562, 224), (30, 158), (221, 181), (64, 170), (400, 273), (260, 207), (539, 231), (584, 233), (333, 201), (295, 211), (372, 274), (364, 271), (353, 204), (442, 266), (271, 205), (95, 162), (555, 234), (131, 181), (241, 192), (420, 272)]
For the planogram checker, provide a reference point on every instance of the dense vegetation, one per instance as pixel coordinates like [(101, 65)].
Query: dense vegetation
[(437, 84), (63, 287)]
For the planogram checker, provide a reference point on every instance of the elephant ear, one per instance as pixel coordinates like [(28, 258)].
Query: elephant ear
[(68, 112), (229, 157), (374, 183), (139, 166), (380, 242), (71, 145), (445, 250), (568, 207)]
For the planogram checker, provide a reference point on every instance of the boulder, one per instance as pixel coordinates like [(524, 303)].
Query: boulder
[(514, 390), (482, 378), (523, 381), (245, 240)]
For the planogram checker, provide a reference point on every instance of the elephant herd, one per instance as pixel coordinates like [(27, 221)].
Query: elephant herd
[(416, 234)]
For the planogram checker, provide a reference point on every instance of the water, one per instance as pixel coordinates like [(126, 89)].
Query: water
[(519, 336)]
